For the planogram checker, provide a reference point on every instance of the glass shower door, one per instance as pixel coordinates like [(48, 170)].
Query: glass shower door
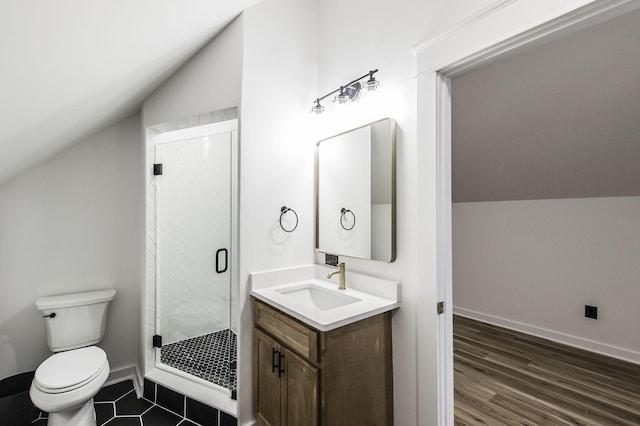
[(193, 274)]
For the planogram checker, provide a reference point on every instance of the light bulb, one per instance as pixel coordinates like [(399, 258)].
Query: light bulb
[(372, 84), (317, 108), (343, 97)]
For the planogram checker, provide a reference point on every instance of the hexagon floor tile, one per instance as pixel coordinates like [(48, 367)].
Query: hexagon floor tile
[(118, 405)]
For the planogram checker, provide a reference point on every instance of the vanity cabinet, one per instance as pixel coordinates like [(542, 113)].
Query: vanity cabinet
[(307, 377), (287, 385)]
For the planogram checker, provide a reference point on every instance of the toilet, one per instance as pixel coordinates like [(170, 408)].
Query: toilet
[(65, 383)]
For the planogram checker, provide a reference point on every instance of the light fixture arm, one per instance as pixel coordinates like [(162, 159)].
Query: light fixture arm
[(341, 88)]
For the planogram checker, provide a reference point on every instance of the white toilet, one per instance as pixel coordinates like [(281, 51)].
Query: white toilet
[(65, 383)]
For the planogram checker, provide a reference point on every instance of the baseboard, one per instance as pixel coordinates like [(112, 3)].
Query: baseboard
[(576, 342), (121, 374)]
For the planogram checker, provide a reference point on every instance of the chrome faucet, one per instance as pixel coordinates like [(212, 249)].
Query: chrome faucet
[(341, 282)]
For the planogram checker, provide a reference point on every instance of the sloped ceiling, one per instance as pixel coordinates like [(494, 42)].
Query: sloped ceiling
[(561, 120), (71, 67)]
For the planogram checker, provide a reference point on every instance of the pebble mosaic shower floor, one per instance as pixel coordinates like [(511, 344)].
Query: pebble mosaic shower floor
[(211, 357)]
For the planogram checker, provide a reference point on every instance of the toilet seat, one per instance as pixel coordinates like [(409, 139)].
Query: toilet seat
[(66, 371)]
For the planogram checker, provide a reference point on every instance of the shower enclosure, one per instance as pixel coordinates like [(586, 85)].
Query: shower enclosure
[(195, 187)]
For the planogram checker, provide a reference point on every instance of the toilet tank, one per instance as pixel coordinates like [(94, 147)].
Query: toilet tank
[(75, 320)]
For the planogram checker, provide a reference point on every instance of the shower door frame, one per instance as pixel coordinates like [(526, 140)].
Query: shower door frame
[(191, 386)]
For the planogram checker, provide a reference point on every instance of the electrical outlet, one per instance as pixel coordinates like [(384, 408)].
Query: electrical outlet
[(591, 311), (331, 259)]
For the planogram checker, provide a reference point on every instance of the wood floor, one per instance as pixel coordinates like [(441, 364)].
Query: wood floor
[(504, 377)]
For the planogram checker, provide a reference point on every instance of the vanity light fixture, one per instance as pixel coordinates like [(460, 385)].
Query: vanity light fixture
[(317, 108), (349, 92)]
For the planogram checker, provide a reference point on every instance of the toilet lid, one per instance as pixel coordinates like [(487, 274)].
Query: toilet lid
[(65, 371)]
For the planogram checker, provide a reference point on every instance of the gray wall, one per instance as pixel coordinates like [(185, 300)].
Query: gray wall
[(533, 265), (73, 224)]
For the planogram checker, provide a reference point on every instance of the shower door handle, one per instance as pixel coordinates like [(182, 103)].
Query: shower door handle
[(219, 269)]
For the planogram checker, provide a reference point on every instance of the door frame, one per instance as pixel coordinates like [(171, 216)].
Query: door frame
[(225, 128), (501, 28)]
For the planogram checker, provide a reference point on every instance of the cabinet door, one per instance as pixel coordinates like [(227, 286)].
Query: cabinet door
[(299, 391), (266, 381)]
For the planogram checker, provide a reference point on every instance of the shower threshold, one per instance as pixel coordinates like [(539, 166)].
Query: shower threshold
[(211, 357)]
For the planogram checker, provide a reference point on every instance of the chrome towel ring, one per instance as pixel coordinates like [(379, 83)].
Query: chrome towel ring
[(343, 212), (283, 211)]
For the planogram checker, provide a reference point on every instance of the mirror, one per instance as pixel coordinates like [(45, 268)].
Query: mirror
[(356, 192)]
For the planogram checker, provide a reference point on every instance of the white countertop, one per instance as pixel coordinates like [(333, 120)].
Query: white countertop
[(374, 295)]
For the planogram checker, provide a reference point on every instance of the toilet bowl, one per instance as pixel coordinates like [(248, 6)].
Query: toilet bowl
[(65, 383)]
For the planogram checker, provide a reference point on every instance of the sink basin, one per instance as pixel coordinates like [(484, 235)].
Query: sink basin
[(304, 293), (317, 297)]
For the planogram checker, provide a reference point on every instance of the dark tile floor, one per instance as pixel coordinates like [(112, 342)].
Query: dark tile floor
[(118, 405)]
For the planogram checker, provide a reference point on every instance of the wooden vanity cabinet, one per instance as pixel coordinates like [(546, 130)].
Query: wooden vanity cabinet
[(306, 377), (287, 385)]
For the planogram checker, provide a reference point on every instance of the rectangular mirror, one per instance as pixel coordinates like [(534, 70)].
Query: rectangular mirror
[(356, 192)]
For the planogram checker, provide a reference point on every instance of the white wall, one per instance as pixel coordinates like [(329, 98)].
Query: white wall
[(276, 151), (539, 262), (355, 37), (72, 224), (210, 81)]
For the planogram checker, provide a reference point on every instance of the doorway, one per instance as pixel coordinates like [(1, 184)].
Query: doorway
[(452, 57), (193, 238), (191, 313)]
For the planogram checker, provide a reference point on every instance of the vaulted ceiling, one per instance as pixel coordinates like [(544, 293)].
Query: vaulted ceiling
[(71, 67), (561, 120), (556, 121)]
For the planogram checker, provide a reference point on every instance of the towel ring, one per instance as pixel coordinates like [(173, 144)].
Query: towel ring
[(343, 212), (283, 210)]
